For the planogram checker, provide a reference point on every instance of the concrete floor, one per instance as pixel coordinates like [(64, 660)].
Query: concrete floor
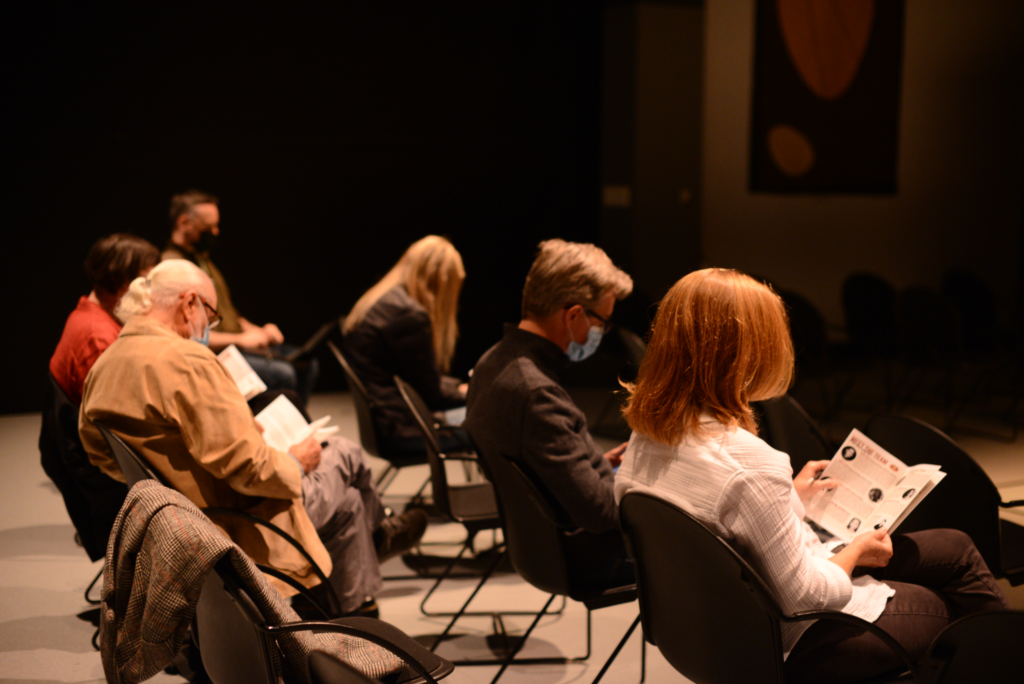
[(43, 575)]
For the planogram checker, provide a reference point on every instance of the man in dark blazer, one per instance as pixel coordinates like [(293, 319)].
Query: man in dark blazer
[(517, 408)]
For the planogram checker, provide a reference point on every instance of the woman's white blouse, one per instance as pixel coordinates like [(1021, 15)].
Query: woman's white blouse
[(741, 488)]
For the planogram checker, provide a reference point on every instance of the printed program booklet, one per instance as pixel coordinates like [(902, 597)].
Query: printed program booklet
[(875, 489), (241, 372), (283, 425)]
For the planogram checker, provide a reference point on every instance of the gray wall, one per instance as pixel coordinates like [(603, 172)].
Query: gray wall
[(960, 168)]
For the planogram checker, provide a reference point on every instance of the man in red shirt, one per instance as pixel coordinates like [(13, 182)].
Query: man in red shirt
[(113, 263), (92, 498)]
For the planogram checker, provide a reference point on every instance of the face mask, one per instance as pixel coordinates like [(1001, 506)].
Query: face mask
[(578, 352), (203, 337), (206, 242)]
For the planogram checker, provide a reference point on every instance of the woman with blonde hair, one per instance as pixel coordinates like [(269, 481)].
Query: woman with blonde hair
[(720, 340), (405, 325)]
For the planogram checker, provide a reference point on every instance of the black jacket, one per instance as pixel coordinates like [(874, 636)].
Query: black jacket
[(396, 338), (517, 408)]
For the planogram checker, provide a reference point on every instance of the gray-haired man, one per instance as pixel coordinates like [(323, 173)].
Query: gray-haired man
[(517, 409)]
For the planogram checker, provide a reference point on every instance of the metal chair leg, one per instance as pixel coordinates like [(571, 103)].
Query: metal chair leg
[(622, 642), (92, 601), (448, 573), (465, 605), (526, 635), (389, 470)]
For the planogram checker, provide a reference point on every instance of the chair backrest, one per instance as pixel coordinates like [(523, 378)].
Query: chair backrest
[(533, 530), (363, 402), (432, 441), (786, 426), (983, 647), (701, 604), (976, 302), (929, 326), (131, 464), (965, 500), (92, 499), (807, 327), (233, 649), (869, 307), (635, 347), (60, 424)]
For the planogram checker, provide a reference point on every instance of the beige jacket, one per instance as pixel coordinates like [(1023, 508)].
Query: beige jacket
[(173, 402)]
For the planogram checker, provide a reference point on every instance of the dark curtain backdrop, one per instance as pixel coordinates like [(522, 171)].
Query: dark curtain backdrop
[(334, 138)]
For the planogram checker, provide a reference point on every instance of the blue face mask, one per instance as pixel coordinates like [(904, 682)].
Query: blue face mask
[(578, 352), (204, 337)]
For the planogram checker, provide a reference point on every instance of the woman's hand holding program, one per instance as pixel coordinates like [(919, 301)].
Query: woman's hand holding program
[(807, 484), (874, 548), (869, 550)]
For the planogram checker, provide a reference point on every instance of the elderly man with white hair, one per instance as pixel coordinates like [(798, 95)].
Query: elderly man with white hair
[(161, 389)]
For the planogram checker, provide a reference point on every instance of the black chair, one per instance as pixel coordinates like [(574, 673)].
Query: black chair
[(474, 505), (92, 498), (785, 425), (965, 500), (237, 642), (365, 408), (135, 470), (810, 345), (984, 647), (930, 341), (705, 607), (987, 348), (869, 309), (324, 669), (634, 348), (540, 547)]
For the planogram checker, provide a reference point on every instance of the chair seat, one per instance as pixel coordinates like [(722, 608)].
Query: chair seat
[(610, 597), (473, 502)]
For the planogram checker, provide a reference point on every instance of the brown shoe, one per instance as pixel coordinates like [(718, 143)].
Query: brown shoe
[(369, 609), (399, 533)]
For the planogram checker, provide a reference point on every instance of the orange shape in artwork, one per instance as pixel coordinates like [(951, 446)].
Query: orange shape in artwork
[(791, 151), (826, 40)]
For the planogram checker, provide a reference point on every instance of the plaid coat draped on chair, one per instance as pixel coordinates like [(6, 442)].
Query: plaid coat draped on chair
[(158, 556)]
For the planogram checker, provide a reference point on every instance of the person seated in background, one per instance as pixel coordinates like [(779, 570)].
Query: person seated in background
[(167, 396), (720, 340), (405, 325), (517, 409), (195, 226), (91, 498), (112, 264)]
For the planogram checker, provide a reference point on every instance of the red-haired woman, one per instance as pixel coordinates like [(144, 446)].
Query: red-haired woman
[(721, 340)]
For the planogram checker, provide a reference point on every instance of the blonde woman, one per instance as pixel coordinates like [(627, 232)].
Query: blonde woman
[(405, 325), (721, 340)]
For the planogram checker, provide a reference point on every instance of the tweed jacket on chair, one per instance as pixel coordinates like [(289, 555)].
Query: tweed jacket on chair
[(158, 556)]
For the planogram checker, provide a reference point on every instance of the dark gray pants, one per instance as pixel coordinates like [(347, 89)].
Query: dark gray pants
[(938, 576), (343, 505)]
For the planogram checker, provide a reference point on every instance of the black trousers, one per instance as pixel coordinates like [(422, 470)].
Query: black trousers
[(938, 576)]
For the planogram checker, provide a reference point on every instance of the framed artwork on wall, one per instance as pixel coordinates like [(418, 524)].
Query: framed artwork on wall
[(826, 100)]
